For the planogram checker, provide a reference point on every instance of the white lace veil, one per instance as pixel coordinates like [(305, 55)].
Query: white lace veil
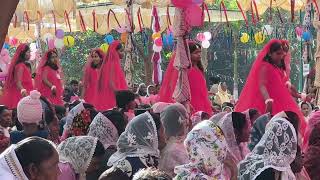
[(207, 151), (227, 128), (10, 167), (71, 114), (277, 150), (140, 138), (217, 117), (174, 119), (78, 151), (102, 128)]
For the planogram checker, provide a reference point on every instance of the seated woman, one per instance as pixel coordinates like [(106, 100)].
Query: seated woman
[(207, 151), (312, 158), (258, 129), (5, 123), (78, 156), (175, 121), (235, 128), (138, 146), (30, 113), (32, 158), (107, 127), (268, 160)]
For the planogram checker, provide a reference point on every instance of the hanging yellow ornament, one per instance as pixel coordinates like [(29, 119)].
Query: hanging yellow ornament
[(156, 35), (124, 37), (104, 47), (244, 38), (259, 37), (68, 41)]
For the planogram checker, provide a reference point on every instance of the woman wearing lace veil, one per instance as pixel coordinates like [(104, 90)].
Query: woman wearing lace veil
[(175, 120), (272, 156), (137, 146), (235, 128), (207, 151), (104, 129), (79, 155), (268, 87)]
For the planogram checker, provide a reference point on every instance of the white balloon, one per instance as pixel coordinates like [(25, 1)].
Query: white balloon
[(267, 29), (33, 46), (205, 44), (207, 35), (157, 48), (58, 43), (47, 37)]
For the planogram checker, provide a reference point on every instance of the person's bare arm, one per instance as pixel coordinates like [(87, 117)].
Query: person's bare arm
[(263, 90)]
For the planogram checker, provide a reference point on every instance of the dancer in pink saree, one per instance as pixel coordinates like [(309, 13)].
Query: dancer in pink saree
[(111, 78), (268, 87), (199, 93)]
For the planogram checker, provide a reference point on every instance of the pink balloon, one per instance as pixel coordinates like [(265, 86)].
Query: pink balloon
[(158, 41), (13, 41), (51, 44), (201, 37), (299, 31), (194, 16)]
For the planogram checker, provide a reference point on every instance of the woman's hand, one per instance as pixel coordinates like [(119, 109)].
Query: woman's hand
[(53, 91), (24, 93), (269, 107)]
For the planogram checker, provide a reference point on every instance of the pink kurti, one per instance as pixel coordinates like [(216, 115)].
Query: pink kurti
[(54, 78), (90, 85), (12, 95)]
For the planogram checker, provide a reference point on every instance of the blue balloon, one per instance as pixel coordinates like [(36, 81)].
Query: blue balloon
[(170, 39), (164, 40), (108, 39), (6, 46), (306, 36)]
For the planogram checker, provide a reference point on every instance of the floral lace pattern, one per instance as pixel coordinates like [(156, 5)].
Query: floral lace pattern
[(276, 149), (77, 151), (139, 139), (102, 128), (207, 149), (227, 128)]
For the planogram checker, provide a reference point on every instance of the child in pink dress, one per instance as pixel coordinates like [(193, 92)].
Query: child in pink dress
[(19, 81), (48, 79)]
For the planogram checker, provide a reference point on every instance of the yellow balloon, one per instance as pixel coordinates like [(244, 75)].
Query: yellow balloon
[(244, 38), (68, 41), (259, 37), (156, 35), (124, 37), (104, 47)]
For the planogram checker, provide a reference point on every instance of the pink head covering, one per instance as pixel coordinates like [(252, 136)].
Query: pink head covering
[(313, 120), (29, 108), (87, 66), (10, 82)]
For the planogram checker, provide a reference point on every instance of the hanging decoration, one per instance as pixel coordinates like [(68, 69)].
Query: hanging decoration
[(68, 41), (259, 37), (306, 36), (58, 43), (157, 47), (104, 47), (59, 34), (267, 29), (108, 39), (244, 38)]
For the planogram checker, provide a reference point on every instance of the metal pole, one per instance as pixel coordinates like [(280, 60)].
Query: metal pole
[(235, 73)]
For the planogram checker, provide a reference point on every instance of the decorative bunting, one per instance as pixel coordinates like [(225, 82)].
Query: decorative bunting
[(26, 18), (225, 11), (67, 20), (243, 15), (54, 21), (115, 17), (82, 24)]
